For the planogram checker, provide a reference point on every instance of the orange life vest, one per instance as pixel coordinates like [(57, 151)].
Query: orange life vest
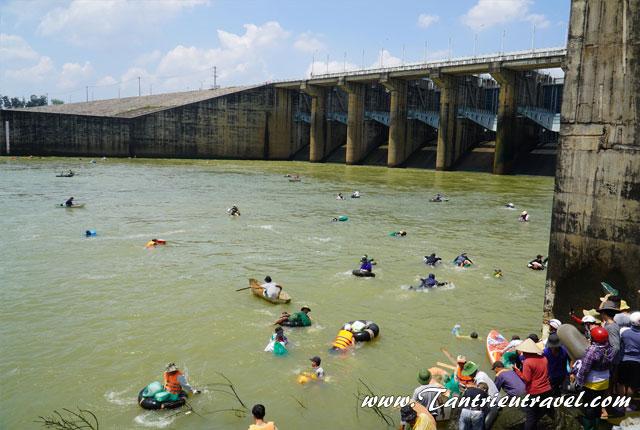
[(464, 380), (343, 340), (171, 383)]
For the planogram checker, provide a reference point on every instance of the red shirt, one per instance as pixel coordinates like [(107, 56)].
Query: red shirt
[(534, 374)]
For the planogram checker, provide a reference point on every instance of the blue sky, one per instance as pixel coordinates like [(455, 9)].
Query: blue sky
[(61, 46)]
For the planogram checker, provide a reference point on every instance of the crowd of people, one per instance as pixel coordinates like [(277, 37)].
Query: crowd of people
[(605, 362)]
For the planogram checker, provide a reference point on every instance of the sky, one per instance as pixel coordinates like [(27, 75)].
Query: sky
[(67, 49)]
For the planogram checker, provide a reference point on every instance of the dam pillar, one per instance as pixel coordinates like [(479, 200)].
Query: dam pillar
[(506, 130), (398, 118), (595, 224), (445, 151), (280, 143), (318, 126), (356, 145)]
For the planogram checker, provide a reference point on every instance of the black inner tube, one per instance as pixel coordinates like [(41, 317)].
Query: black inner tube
[(153, 404)]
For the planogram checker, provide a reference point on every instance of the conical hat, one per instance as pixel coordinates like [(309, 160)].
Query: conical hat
[(529, 346)]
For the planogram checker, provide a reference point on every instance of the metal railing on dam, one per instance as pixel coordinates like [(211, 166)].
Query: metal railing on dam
[(520, 60)]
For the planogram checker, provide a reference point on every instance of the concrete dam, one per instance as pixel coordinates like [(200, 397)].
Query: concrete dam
[(482, 113)]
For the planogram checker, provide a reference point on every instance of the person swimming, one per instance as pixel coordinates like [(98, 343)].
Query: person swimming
[(497, 273), (355, 195), (430, 282), (431, 260), (524, 217), (510, 205), (462, 260), (339, 196), (538, 263)]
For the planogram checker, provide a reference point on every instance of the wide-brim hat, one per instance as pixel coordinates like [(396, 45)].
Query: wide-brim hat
[(461, 359), (555, 323), (529, 346), (609, 306), (424, 376), (469, 368), (624, 306), (591, 313), (305, 307), (171, 367)]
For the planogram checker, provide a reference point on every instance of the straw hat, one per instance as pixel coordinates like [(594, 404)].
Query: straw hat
[(529, 346), (624, 306)]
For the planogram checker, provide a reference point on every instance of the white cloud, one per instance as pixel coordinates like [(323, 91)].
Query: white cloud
[(306, 42), (240, 58), (74, 75), (34, 74), (106, 81), (425, 20), (14, 47), (84, 22), (540, 21), (386, 60), (488, 13), (148, 58)]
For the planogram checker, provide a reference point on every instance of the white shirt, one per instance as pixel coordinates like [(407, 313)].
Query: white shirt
[(319, 372), (271, 290), (483, 377)]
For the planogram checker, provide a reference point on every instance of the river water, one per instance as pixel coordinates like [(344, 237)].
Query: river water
[(88, 322)]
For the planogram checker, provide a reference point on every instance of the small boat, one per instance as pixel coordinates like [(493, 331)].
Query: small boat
[(73, 206), (257, 290), (65, 175), (295, 180), (495, 344)]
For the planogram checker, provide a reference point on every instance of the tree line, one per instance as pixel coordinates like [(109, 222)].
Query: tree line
[(7, 102)]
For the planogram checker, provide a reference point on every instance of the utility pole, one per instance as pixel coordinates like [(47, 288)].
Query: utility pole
[(504, 35), (215, 78), (139, 90), (533, 38), (327, 64), (87, 92), (425, 50), (363, 58), (475, 45)]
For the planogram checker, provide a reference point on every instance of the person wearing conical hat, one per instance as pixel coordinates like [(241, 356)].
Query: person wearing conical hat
[(533, 372)]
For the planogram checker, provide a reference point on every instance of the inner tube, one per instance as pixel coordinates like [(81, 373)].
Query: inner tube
[(574, 341), (343, 218), (370, 331), (153, 404), (288, 323), (360, 273)]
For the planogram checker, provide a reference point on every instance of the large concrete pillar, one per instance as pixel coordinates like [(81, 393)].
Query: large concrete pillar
[(398, 151), (356, 145), (506, 132), (445, 151), (595, 225), (318, 126), (280, 141)]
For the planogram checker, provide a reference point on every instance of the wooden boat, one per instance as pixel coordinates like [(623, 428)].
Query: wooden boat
[(257, 290), (495, 344)]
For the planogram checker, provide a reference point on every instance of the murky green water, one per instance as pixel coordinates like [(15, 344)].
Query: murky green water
[(89, 322)]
